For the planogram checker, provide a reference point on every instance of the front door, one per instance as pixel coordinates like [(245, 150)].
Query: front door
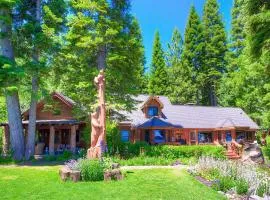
[(147, 136)]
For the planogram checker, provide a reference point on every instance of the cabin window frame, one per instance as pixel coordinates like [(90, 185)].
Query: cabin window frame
[(154, 109), (125, 138)]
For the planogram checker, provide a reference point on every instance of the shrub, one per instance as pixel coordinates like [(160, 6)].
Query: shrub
[(175, 152), (65, 156), (113, 137), (50, 158), (231, 172), (128, 150), (266, 149), (6, 160), (258, 136), (210, 174), (226, 183), (91, 170), (241, 186), (72, 164)]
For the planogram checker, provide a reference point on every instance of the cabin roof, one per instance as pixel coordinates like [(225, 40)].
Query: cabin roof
[(191, 116)]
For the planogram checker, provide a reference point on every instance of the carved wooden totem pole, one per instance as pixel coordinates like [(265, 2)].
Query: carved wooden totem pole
[(98, 121)]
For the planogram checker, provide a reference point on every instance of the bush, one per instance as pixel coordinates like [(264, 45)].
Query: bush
[(91, 170), (226, 183), (175, 152), (266, 149), (241, 186), (50, 158), (128, 150), (65, 156), (6, 160), (210, 174)]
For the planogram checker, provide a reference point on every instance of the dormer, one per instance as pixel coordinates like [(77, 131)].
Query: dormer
[(152, 107)]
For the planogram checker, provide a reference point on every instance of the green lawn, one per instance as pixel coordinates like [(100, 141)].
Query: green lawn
[(44, 183)]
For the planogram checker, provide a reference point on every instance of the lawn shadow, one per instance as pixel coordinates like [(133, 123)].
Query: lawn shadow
[(40, 163)]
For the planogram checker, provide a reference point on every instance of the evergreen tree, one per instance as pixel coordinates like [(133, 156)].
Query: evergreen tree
[(100, 35), (258, 36), (230, 88), (9, 77), (181, 88), (175, 48), (193, 55), (215, 49), (37, 25), (158, 81)]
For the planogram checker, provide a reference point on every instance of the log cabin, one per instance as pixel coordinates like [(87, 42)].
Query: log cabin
[(57, 129), (154, 120)]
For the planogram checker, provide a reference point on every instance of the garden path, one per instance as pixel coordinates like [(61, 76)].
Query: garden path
[(153, 167)]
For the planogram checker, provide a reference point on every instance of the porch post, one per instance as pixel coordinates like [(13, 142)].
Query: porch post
[(197, 136), (73, 138), (6, 140), (187, 136), (233, 132), (51, 142), (215, 137), (138, 135), (223, 136)]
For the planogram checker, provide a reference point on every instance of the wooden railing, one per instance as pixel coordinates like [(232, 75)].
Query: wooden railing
[(237, 148)]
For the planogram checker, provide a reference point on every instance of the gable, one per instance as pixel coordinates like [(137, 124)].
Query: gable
[(61, 108)]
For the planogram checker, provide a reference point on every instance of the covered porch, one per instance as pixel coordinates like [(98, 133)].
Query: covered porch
[(52, 136), (179, 136)]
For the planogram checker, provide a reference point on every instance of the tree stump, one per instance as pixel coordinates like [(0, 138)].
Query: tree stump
[(114, 174), (75, 176), (64, 173), (107, 176)]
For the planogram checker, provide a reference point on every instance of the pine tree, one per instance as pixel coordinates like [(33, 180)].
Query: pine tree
[(9, 76), (100, 35), (37, 24), (215, 49), (258, 36), (175, 48), (158, 81), (229, 90), (181, 88), (193, 54)]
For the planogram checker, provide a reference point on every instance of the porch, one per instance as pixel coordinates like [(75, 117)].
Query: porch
[(52, 136), (180, 136)]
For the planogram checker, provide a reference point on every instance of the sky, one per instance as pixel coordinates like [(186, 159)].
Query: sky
[(165, 15)]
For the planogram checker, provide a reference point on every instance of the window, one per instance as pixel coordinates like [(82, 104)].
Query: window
[(205, 138), (152, 111), (228, 136), (159, 137), (124, 136)]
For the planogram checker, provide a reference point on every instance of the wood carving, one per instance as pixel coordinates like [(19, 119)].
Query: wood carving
[(98, 121)]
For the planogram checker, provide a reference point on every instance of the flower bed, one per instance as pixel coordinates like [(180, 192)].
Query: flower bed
[(90, 170), (232, 176)]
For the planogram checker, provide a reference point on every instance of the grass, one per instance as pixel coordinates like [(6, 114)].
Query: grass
[(44, 183)]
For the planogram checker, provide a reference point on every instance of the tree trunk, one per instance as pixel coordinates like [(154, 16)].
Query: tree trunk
[(213, 98), (12, 99), (15, 126), (101, 58), (30, 144)]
